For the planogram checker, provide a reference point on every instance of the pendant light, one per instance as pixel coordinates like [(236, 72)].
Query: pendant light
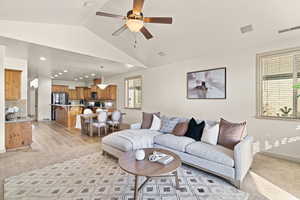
[(102, 86)]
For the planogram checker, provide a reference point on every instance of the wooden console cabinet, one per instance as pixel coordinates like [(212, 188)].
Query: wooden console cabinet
[(18, 134)]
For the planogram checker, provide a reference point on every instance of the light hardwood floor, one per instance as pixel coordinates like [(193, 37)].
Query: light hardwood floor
[(269, 178)]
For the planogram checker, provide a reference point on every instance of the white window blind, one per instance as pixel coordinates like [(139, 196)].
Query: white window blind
[(133, 92), (277, 74)]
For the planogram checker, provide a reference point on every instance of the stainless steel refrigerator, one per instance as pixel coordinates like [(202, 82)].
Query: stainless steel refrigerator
[(61, 98)]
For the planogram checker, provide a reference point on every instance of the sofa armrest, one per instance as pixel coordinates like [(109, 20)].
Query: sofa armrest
[(136, 126), (243, 157)]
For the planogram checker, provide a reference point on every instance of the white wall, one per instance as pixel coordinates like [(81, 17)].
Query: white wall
[(71, 84), (2, 100), (164, 90), (44, 98)]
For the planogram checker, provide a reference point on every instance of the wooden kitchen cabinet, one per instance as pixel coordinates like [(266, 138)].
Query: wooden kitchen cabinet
[(94, 88), (12, 84), (87, 93), (112, 92), (60, 88), (80, 92), (101, 94), (73, 94)]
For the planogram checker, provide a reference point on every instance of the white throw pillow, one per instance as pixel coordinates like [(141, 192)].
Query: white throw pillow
[(156, 123), (210, 134)]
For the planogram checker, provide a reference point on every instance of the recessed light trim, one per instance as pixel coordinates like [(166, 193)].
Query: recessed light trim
[(93, 74), (162, 53), (55, 75), (129, 65), (86, 76), (76, 79), (43, 58), (60, 73), (65, 71), (80, 78)]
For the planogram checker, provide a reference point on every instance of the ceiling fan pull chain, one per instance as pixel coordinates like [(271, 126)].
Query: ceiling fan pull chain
[(135, 41)]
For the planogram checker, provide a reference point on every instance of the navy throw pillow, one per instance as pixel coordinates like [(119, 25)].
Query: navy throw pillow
[(195, 130)]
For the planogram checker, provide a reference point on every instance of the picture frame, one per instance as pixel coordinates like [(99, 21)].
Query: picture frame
[(207, 84)]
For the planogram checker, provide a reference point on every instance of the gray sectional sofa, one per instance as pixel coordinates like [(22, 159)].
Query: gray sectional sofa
[(215, 159)]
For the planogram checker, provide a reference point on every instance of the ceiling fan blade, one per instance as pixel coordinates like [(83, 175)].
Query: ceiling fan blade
[(109, 15), (120, 30), (146, 33), (160, 20), (138, 6)]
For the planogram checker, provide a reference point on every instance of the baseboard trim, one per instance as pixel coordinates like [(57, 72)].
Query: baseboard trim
[(281, 156), (2, 150)]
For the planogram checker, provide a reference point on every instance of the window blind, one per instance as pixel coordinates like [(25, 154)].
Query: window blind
[(278, 74)]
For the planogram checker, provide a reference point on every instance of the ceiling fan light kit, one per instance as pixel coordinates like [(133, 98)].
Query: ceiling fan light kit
[(135, 20), (134, 25)]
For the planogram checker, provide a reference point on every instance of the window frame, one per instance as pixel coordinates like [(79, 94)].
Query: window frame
[(259, 90), (126, 92)]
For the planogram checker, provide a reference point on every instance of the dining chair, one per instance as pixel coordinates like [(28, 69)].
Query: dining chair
[(98, 110), (115, 121), (102, 122), (87, 122)]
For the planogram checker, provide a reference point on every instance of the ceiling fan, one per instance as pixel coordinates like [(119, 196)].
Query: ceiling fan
[(135, 20)]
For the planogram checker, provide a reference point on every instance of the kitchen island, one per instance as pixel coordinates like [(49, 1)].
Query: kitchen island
[(66, 114)]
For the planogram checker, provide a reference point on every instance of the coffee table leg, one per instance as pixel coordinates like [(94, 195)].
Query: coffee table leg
[(136, 188), (176, 179), (91, 127)]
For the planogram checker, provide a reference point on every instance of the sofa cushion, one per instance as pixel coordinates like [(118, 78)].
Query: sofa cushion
[(168, 124), (181, 128), (147, 119), (174, 142), (230, 133), (195, 130), (214, 153), (128, 140)]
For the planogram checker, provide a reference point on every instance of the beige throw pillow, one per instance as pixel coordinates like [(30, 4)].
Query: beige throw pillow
[(230, 134), (210, 134)]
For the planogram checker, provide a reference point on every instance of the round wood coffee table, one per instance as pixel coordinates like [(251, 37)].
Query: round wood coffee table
[(128, 163)]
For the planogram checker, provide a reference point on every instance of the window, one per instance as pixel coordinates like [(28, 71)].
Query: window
[(133, 92), (278, 75)]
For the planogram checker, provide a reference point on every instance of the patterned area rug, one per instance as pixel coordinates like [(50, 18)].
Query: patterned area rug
[(95, 177)]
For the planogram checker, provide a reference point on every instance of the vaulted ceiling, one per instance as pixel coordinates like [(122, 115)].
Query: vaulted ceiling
[(200, 27)]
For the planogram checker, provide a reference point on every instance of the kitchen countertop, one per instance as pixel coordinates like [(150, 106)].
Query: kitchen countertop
[(75, 105), (23, 119)]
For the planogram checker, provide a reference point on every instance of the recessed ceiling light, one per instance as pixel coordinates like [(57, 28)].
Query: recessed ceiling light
[(93, 74), (65, 71), (80, 78), (52, 77), (86, 76), (43, 58), (60, 73), (76, 79), (88, 3), (55, 75), (129, 65), (162, 53)]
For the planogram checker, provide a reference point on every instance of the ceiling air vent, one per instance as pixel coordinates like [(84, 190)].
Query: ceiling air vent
[(289, 29), (246, 29)]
